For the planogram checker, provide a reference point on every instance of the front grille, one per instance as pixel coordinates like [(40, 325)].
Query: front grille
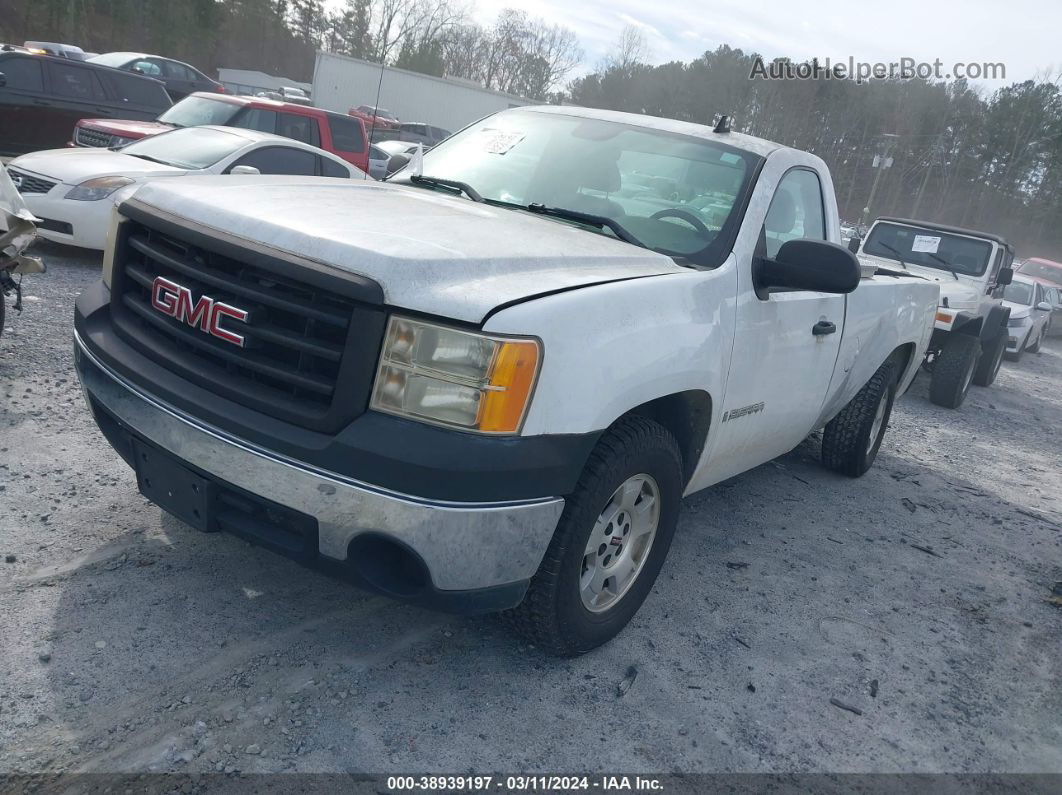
[(86, 136), (27, 183), (309, 352)]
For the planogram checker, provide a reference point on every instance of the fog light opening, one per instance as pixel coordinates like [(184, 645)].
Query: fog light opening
[(387, 565)]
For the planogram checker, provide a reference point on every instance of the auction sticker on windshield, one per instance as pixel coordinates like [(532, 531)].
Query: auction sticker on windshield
[(926, 243), (501, 141)]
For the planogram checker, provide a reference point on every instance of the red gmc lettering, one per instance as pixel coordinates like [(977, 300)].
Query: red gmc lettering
[(175, 300)]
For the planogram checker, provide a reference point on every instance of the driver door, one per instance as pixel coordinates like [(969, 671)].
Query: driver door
[(786, 343)]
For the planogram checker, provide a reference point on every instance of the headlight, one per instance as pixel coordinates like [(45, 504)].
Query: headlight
[(117, 140), (1017, 322), (452, 377), (98, 188)]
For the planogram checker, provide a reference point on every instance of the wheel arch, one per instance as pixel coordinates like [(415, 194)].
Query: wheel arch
[(687, 415)]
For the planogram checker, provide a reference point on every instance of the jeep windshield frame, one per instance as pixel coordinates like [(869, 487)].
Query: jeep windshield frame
[(936, 249)]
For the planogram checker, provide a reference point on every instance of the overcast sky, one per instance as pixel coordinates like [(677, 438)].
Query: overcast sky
[(1026, 35)]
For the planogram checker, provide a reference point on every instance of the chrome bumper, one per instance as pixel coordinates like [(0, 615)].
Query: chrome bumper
[(465, 546)]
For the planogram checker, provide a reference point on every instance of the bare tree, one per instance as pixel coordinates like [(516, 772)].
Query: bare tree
[(632, 50)]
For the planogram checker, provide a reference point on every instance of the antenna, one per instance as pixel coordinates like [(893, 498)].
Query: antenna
[(722, 124), (376, 106)]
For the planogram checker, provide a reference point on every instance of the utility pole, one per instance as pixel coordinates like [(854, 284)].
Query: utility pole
[(882, 161)]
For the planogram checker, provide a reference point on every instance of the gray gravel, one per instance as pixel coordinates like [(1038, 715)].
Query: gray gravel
[(899, 622)]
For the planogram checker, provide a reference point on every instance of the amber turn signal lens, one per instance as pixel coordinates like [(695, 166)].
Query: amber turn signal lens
[(512, 377)]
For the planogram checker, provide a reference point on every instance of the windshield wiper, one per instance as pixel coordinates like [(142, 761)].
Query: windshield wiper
[(899, 256), (463, 187), (152, 159), (945, 263), (587, 218)]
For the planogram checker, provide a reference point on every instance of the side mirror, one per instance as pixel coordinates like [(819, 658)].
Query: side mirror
[(251, 170), (853, 243), (808, 265), (1005, 276), (396, 162), (1043, 306), (3, 80)]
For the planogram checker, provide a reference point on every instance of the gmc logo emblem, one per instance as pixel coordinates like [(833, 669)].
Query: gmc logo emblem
[(174, 300)]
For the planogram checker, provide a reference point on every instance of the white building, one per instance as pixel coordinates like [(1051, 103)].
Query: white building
[(341, 83)]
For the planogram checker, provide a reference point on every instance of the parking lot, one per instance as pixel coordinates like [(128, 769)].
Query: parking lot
[(803, 621)]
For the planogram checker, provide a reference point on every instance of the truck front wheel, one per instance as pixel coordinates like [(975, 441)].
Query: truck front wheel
[(610, 542), (953, 370), (850, 441)]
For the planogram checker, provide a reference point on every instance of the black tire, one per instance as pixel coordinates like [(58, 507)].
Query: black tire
[(953, 370), (850, 441), (552, 614), (1035, 347), (991, 359)]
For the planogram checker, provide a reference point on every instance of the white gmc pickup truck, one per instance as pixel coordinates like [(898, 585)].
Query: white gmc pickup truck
[(487, 383)]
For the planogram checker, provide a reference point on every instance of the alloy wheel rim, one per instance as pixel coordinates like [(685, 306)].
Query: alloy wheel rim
[(619, 543)]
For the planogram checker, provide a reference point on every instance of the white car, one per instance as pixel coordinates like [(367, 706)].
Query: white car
[(1030, 316), (72, 191), (378, 160)]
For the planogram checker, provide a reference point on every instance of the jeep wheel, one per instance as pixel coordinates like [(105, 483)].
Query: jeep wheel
[(610, 542), (991, 359), (851, 440), (953, 370)]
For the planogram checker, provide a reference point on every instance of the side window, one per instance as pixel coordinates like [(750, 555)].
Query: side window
[(74, 81), (330, 168), (280, 160), (23, 73), (135, 91), (347, 135), (145, 67), (301, 128), (795, 212), (177, 71), (256, 119)]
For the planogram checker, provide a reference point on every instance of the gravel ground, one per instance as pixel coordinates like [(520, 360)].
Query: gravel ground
[(918, 596)]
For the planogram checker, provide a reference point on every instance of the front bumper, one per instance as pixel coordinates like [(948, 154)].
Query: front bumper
[(478, 556), (75, 223)]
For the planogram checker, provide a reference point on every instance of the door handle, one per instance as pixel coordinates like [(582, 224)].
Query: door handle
[(822, 328), (43, 102)]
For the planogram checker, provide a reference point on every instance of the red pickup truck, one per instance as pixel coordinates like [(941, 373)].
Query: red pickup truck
[(337, 133)]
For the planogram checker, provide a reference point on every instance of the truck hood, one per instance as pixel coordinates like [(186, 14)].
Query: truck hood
[(964, 293), (430, 252), (127, 128), (73, 166)]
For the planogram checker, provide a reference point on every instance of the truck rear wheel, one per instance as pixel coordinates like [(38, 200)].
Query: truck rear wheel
[(851, 440), (953, 370), (610, 542), (991, 358)]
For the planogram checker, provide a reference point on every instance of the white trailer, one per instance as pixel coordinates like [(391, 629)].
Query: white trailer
[(341, 83)]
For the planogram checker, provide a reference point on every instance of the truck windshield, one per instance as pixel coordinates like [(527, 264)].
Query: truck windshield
[(1018, 293), (673, 193), (195, 111), (929, 248)]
